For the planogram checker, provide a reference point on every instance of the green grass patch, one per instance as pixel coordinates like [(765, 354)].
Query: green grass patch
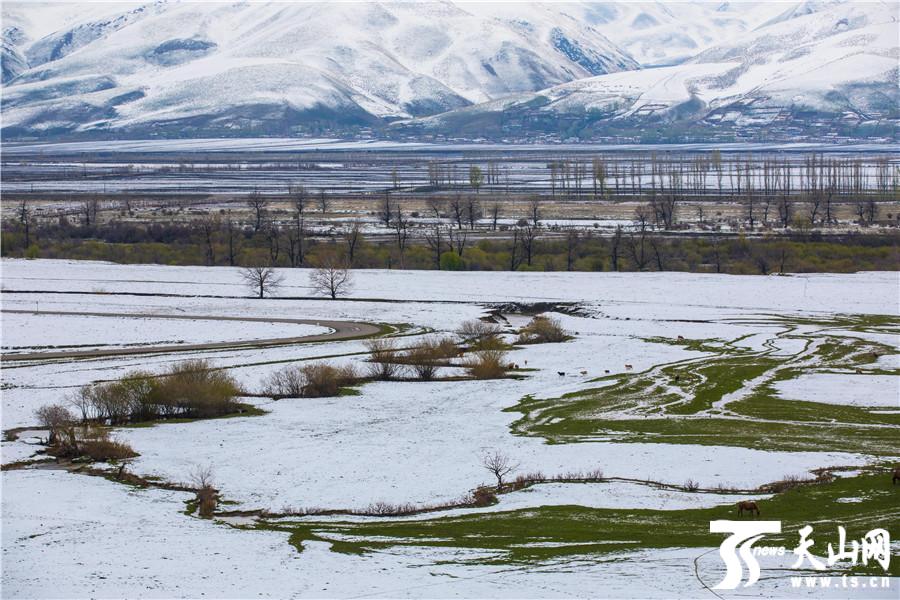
[(553, 532)]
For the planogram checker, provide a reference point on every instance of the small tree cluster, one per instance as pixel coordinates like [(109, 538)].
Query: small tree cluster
[(384, 358), (207, 495), (189, 389), (487, 364), (67, 439), (542, 330), (316, 380), (425, 358), (476, 332)]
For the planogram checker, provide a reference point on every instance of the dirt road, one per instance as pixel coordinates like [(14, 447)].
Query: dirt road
[(341, 330)]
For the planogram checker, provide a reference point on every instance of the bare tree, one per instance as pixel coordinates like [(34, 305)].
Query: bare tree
[(231, 232), (207, 495), (495, 213), (273, 238), (614, 247), (572, 239), (528, 237), (90, 208), (435, 241), (261, 280), (352, 237), (386, 213), (257, 204), (25, 219), (534, 210), (332, 277), (499, 465), (209, 226), (401, 230)]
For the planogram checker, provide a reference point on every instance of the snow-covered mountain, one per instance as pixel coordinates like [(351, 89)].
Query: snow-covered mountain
[(234, 65), (464, 69), (665, 33), (820, 68)]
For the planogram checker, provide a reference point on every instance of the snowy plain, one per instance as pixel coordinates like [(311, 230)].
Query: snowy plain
[(410, 442)]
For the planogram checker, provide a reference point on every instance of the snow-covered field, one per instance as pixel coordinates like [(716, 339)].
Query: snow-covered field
[(395, 442), (25, 332)]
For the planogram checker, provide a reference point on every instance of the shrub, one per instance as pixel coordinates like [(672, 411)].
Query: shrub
[(483, 496), (189, 389), (487, 364), (383, 359), (691, 486), (543, 330), (285, 383), (207, 495), (309, 381), (57, 419), (194, 389), (451, 261), (476, 331), (424, 358), (325, 380), (71, 441)]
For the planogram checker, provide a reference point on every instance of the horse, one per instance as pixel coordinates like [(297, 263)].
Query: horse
[(561, 373), (896, 476), (748, 505)]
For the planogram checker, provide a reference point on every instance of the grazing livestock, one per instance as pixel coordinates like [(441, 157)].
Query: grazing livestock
[(747, 505), (606, 371), (561, 373), (681, 338), (628, 367), (896, 476), (584, 372)]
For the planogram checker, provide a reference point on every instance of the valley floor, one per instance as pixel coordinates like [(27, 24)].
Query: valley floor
[(731, 382)]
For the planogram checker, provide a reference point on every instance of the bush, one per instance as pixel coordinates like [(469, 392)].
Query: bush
[(383, 359), (207, 495), (483, 497), (451, 261), (424, 359), (189, 389), (309, 381), (543, 330), (477, 331), (325, 380), (194, 389), (487, 364), (285, 383), (58, 420), (91, 441)]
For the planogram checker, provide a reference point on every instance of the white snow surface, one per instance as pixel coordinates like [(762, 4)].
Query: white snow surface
[(35, 332), (106, 541), (406, 442), (843, 388)]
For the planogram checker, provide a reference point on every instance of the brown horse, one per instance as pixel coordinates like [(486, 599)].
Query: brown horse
[(748, 505), (896, 476)]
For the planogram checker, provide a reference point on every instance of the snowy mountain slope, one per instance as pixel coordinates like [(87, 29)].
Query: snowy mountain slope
[(661, 33), (828, 69), (218, 65)]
